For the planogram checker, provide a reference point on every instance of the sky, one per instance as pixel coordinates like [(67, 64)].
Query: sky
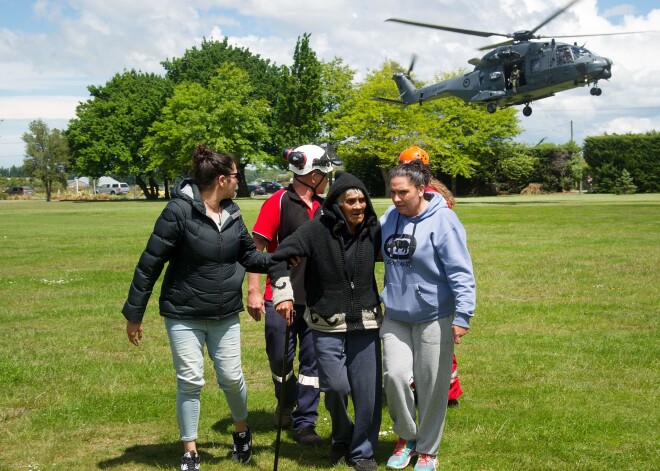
[(52, 50)]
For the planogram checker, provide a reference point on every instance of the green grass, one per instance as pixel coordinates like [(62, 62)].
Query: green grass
[(560, 370)]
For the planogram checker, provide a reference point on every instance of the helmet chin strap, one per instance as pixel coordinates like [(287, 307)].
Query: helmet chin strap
[(313, 188)]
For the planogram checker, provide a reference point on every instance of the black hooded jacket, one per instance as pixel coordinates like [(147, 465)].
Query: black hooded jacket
[(203, 279), (341, 296)]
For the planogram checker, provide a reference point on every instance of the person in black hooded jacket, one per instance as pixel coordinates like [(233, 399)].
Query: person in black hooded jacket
[(202, 235), (343, 311)]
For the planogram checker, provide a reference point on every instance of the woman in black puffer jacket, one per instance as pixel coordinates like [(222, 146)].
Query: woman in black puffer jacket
[(202, 235)]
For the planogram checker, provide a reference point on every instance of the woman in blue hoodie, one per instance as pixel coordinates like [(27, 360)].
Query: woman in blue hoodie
[(429, 297)]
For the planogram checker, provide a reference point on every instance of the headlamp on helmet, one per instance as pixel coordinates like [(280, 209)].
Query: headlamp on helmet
[(305, 159)]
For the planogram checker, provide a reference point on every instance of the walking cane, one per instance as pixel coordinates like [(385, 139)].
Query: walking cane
[(282, 391)]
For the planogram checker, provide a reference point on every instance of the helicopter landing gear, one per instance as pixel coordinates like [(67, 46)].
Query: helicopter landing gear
[(491, 108), (596, 91), (527, 110)]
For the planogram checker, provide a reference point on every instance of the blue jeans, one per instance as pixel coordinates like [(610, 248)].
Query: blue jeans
[(223, 343)]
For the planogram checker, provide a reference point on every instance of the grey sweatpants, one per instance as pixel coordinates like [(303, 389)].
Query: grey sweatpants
[(423, 352)]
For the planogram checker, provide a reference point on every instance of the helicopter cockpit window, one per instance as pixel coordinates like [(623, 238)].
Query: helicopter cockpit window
[(564, 55), (535, 65), (579, 52)]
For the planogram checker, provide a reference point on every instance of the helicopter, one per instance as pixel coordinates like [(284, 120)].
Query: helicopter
[(514, 72)]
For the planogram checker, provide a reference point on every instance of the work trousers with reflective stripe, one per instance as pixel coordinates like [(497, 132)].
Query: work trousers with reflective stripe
[(302, 390)]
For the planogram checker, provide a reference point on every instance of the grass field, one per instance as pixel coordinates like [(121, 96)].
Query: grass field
[(560, 370)]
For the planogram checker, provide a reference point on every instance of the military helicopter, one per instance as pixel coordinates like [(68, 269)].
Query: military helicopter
[(515, 72)]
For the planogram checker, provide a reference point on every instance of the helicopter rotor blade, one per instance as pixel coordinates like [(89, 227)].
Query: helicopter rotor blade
[(519, 36), (493, 46), (554, 15), (483, 34), (597, 34)]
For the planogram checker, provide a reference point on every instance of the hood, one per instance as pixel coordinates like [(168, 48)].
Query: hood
[(188, 190), (436, 202), (344, 181)]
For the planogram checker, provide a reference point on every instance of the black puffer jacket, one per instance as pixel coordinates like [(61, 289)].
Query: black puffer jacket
[(203, 279), (340, 297)]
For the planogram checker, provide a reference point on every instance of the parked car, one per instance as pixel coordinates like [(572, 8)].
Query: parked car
[(20, 190), (113, 188), (271, 187), (256, 189)]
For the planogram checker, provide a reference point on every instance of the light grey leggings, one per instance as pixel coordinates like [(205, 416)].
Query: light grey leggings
[(423, 352)]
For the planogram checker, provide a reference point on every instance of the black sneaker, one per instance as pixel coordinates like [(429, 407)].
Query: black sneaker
[(338, 453), (190, 461), (453, 403), (307, 436), (366, 465), (242, 451), (286, 417)]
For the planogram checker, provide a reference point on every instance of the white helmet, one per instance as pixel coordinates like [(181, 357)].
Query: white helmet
[(304, 159)]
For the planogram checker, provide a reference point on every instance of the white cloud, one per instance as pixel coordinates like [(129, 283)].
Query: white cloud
[(88, 41), (39, 107), (619, 10), (278, 50), (630, 124)]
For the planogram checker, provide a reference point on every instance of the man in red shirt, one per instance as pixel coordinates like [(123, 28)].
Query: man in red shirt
[(279, 217)]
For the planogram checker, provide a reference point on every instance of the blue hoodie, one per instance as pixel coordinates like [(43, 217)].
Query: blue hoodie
[(428, 270)]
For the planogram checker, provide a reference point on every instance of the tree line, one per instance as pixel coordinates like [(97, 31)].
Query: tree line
[(146, 126)]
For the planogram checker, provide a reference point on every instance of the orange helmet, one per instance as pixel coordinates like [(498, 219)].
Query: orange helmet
[(414, 153)]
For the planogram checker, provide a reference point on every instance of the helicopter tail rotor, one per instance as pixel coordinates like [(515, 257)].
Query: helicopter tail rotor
[(412, 66)]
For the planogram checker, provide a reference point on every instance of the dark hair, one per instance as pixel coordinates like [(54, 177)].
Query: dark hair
[(415, 171), (209, 165)]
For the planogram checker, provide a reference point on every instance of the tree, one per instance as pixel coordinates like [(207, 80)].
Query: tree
[(13, 171), (223, 115), (605, 178), (559, 165), (366, 129), (638, 153), (336, 88), (300, 106), (200, 65), (467, 140), (457, 136), (514, 171), (624, 184), (107, 133), (298, 96), (46, 155)]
